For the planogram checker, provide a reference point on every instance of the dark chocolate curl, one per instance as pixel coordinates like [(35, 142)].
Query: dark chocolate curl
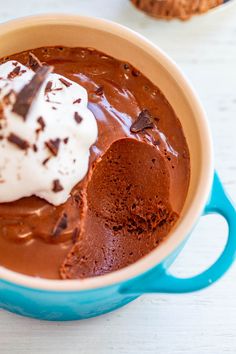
[(26, 96), (144, 121)]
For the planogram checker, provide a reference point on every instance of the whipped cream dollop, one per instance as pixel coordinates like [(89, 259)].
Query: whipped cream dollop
[(46, 131)]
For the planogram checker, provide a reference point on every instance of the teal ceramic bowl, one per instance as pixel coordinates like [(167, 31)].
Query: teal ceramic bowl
[(79, 299)]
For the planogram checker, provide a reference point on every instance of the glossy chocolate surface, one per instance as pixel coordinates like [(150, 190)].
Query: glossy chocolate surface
[(117, 94)]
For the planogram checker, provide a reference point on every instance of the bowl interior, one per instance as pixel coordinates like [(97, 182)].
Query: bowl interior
[(123, 44)]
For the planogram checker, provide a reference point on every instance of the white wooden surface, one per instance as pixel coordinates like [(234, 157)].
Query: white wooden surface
[(205, 322)]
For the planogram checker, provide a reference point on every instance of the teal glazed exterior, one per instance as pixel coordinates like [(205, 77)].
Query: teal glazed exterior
[(75, 305)]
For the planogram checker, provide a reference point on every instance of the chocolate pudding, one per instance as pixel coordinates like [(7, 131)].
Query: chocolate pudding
[(134, 190)]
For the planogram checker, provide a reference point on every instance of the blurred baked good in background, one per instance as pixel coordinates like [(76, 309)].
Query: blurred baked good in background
[(182, 9)]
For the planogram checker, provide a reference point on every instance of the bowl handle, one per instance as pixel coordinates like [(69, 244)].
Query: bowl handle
[(219, 203)]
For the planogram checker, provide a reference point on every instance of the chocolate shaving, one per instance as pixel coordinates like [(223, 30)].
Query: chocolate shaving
[(29, 92), (135, 73), (1, 111), (46, 161), (48, 87), (60, 225), (99, 91), (33, 62), (78, 118), (16, 140), (144, 121), (65, 82), (35, 148), (57, 187), (75, 234), (42, 124), (66, 140), (53, 145), (77, 101), (15, 72)]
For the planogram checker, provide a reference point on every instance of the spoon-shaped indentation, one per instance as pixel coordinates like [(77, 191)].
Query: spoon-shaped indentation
[(126, 213)]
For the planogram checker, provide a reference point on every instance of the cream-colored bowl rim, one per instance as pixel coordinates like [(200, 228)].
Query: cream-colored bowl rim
[(205, 181)]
